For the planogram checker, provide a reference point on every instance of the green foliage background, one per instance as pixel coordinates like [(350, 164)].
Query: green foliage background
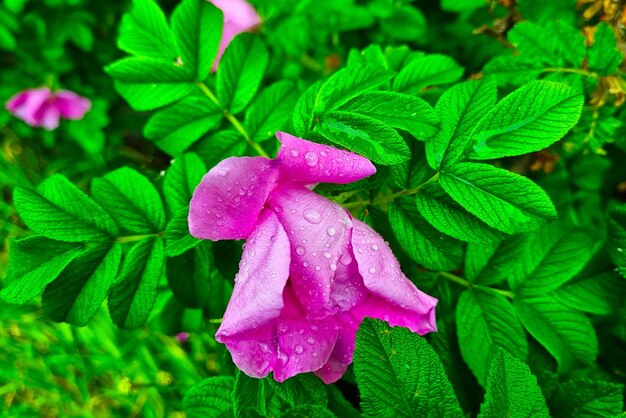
[(499, 133)]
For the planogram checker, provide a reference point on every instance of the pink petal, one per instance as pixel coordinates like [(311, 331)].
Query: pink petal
[(229, 31), (25, 105), (394, 297), (239, 12), (47, 115), (342, 354), (309, 162), (71, 105), (318, 231), (228, 200)]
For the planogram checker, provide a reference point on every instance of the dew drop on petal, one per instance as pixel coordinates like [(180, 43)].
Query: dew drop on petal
[(374, 247), (317, 268), (331, 231), (345, 259), (305, 264), (327, 255), (310, 158), (312, 215), (294, 153), (333, 267), (372, 270), (310, 340), (298, 349), (222, 172), (300, 250)]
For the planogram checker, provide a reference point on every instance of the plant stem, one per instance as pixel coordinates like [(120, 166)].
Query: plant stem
[(573, 71), (215, 321), (391, 197), (463, 282), (232, 119), (133, 238)]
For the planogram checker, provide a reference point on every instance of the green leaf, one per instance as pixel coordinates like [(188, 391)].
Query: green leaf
[(189, 275), (552, 256), (427, 70), (241, 71), (131, 200), (603, 56), (135, 291), (365, 136), (423, 243), (181, 180), (338, 404), (399, 375), (450, 218), (459, 108), (513, 70), (617, 237), (600, 294), (77, 294), (397, 110), (487, 264), (412, 173), (36, 261), (150, 83), (503, 200), (176, 128), (462, 5), (59, 210), (248, 394), (541, 12), (197, 25), (486, 322), (220, 145), (144, 31), (587, 398), (210, 398), (554, 44), (177, 237), (531, 118), (567, 334), (303, 114), (512, 390), (270, 110), (308, 411), (348, 83), (301, 389)]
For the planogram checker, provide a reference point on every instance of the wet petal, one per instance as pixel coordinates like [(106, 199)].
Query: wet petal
[(342, 353), (228, 200), (25, 105), (239, 12), (393, 295), (309, 162), (318, 231), (71, 105)]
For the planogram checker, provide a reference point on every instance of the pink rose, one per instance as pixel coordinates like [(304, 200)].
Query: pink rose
[(309, 271), (239, 17), (42, 107)]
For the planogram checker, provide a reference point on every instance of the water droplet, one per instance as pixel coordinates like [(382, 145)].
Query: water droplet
[(310, 340), (264, 348), (219, 223), (222, 172), (372, 270), (327, 255), (310, 158), (314, 354), (312, 215), (298, 349), (219, 198), (345, 259), (294, 153), (300, 250), (278, 209), (323, 153), (360, 250), (333, 267), (331, 231), (317, 268), (305, 264), (374, 247)]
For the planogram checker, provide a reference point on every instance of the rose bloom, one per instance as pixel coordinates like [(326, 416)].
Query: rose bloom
[(309, 273), (44, 108)]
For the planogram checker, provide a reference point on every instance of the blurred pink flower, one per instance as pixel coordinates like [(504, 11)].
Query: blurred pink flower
[(309, 271), (239, 16), (43, 107), (182, 337)]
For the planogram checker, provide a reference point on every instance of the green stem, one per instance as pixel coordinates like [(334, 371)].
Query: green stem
[(232, 119), (463, 282), (391, 197), (133, 238), (573, 71), (215, 321)]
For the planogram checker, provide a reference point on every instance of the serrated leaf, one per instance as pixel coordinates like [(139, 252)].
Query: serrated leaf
[(248, 394), (603, 56), (412, 173), (459, 108), (131, 200), (365, 136), (176, 128), (220, 145), (567, 334), (399, 374), (177, 237), (347, 84), (77, 294), (587, 398), (427, 70), (552, 256), (300, 390), (531, 118), (617, 237), (397, 110), (181, 180), (210, 398), (552, 43), (59, 210), (512, 390), (512, 70), (308, 411), (35, 262), (424, 244), (487, 264), (149, 83), (338, 404), (270, 111), (450, 218), (144, 31), (303, 114), (197, 25), (135, 291), (486, 322), (189, 275), (240, 72), (600, 294), (503, 200)]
